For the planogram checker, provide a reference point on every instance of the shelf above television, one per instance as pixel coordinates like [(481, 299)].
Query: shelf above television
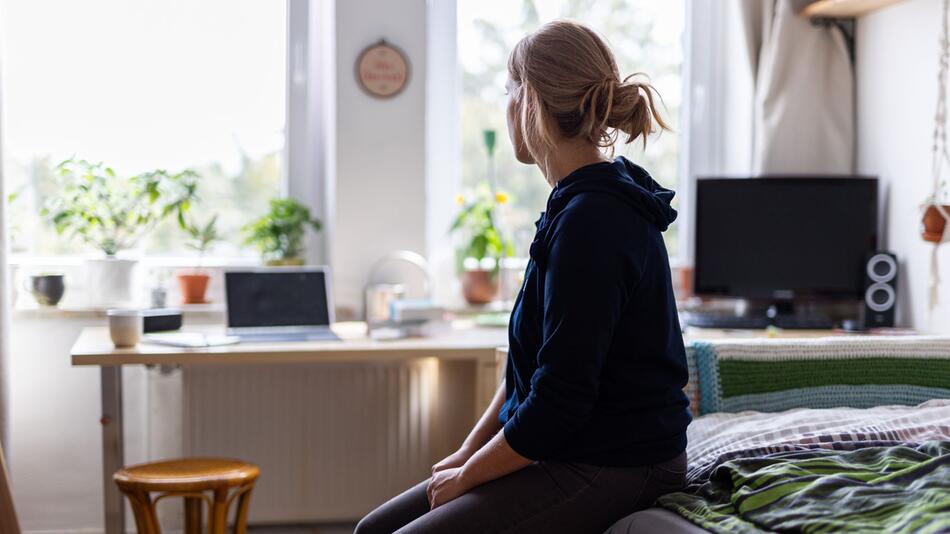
[(843, 8)]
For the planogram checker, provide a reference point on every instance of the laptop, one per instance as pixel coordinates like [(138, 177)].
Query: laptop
[(279, 304)]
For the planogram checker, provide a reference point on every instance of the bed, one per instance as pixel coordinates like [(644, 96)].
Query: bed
[(821, 435)]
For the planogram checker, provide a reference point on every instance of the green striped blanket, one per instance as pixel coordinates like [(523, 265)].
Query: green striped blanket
[(899, 489), (772, 375)]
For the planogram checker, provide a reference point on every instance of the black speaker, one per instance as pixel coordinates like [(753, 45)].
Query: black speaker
[(880, 290), (161, 319)]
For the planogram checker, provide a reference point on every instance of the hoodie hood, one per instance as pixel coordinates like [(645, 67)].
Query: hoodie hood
[(622, 179)]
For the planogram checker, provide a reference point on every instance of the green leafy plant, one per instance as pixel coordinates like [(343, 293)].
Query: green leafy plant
[(201, 237), (280, 233), (13, 223), (475, 224), (113, 213)]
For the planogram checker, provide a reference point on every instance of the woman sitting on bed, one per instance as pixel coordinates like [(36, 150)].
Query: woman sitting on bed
[(591, 412)]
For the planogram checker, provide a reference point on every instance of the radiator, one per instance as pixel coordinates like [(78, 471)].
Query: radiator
[(332, 440)]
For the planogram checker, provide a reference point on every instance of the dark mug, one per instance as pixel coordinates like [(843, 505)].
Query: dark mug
[(47, 289)]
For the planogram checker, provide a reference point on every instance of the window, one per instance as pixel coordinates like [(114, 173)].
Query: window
[(144, 85), (645, 35)]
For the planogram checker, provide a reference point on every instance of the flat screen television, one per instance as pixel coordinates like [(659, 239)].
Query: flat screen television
[(784, 238)]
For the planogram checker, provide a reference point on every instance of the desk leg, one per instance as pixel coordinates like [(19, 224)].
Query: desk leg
[(112, 447)]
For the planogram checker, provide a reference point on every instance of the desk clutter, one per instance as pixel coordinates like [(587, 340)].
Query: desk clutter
[(287, 303), (401, 306), (268, 304)]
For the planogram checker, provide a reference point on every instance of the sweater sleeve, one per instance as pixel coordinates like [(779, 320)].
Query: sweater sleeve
[(589, 273)]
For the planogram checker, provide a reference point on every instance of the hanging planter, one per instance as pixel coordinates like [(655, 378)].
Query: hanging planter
[(934, 223), (935, 212)]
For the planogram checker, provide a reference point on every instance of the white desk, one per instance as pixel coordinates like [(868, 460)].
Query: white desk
[(461, 342)]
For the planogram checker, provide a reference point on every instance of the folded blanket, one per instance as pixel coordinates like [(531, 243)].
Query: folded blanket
[(876, 489)]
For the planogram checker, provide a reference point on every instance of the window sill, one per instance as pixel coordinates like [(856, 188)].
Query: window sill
[(31, 260), (151, 272), (65, 310)]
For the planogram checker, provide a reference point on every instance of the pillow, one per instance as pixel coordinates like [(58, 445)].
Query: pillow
[(772, 375)]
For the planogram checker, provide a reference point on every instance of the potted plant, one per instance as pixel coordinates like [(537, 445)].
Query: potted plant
[(934, 222), (936, 213), (112, 214), (479, 256), (279, 235), (194, 285)]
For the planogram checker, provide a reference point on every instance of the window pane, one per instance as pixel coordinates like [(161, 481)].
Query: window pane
[(141, 85), (645, 35)]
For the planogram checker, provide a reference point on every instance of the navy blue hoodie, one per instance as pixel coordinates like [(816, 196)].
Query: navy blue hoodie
[(596, 364)]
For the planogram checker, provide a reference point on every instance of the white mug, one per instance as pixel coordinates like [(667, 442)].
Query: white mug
[(125, 327)]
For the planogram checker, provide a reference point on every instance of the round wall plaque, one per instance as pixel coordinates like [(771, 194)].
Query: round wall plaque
[(382, 70)]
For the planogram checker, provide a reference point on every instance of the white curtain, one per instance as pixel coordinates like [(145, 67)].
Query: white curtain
[(803, 116)]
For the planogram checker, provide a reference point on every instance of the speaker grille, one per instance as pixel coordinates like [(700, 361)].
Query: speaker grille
[(881, 268), (879, 297)]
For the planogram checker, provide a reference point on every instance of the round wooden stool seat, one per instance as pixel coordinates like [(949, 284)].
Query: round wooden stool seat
[(193, 479), (187, 474)]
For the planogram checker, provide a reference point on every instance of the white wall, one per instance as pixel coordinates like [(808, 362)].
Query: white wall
[(55, 454), (379, 176), (896, 53)]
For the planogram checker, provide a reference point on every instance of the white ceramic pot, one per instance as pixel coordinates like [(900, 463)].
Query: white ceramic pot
[(109, 281)]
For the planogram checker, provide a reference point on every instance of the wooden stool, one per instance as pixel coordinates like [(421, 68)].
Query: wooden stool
[(190, 478)]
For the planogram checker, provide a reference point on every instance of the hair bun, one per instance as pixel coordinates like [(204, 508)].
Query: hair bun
[(571, 88), (611, 106), (634, 110)]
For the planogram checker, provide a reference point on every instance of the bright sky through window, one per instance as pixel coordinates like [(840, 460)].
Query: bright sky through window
[(645, 35), (141, 85)]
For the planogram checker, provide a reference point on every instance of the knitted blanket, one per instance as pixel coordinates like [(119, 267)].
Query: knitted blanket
[(771, 375)]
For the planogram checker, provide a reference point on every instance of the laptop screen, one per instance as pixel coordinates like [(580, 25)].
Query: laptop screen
[(278, 298)]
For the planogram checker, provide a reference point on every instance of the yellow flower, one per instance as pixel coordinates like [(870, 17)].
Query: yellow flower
[(501, 198), (460, 200)]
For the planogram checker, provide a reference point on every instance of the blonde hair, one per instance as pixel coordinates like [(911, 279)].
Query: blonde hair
[(565, 72)]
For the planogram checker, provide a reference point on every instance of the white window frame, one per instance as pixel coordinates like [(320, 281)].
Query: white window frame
[(310, 116), (701, 32), (717, 130), (443, 143), (305, 157)]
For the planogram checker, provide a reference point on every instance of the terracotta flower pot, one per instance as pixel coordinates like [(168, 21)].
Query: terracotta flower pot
[(479, 286), (193, 288), (933, 223)]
